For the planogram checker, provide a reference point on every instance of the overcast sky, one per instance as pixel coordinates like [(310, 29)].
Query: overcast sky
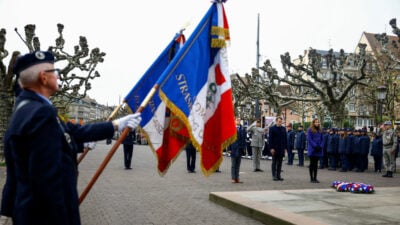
[(133, 33)]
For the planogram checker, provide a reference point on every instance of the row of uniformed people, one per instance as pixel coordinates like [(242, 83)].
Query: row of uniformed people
[(346, 149)]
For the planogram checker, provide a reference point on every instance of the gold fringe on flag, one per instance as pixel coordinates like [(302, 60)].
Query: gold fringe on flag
[(218, 43)]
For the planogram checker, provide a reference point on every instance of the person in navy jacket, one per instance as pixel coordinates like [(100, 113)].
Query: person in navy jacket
[(190, 157), (365, 142), (349, 149), (278, 145), (342, 147), (323, 163), (237, 150), (315, 140), (377, 152), (128, 149), (40, 150), (300, 144), (290, 143), (332, 149)]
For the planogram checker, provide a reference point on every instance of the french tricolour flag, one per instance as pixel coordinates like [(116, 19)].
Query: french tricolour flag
[(197, 88), (165, 133)]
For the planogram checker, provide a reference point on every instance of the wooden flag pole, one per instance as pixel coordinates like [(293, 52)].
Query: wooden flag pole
[(115, 146), (82, 155), (86, 150)]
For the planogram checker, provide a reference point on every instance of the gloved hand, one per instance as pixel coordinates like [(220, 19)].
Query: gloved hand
[(89, 145), (131, 121)]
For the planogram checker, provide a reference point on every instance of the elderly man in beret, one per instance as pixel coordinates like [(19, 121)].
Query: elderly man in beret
[(389, 141), (40, 150)]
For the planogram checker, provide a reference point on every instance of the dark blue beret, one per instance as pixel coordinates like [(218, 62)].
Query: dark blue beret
[(33, 58)]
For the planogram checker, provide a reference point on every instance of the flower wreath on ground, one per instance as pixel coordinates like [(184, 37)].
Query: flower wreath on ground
[(353, 187)]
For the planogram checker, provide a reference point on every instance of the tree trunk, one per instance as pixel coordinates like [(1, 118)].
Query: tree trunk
[(338, 113), (6, 105)]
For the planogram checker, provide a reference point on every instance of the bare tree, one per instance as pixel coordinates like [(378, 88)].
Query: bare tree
[(322, 79), (78, 69), (387, 62)]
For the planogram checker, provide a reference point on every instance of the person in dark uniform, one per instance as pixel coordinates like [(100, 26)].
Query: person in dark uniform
[(190, 158), (290, 143), (365, 142), (300, 144), (40, 150), (342, 147), (249, 150), (278, 145), (377, 152), (323, 163), (128, 149), (237, 150), (332, 145), (349, 149)]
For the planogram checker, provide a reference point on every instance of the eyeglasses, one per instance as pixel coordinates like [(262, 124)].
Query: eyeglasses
[(55, 71)]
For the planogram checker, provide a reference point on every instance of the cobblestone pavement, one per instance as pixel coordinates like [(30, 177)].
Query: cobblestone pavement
[(141, 197)]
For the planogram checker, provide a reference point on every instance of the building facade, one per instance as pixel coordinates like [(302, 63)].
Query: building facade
[(87, 110)]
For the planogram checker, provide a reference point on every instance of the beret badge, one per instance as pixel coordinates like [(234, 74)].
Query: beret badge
[(39, 55)]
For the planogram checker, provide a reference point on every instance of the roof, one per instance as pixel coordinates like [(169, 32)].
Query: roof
[(374, 44)]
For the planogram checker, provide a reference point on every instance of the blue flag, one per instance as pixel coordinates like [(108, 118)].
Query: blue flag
[(158, 124), (196, 87)]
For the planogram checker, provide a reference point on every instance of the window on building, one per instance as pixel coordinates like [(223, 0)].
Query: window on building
[(352, 108), (324, 64)]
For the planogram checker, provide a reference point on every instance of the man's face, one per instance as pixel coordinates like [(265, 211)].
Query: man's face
[(51, 79), (279, 122), (237, 121)]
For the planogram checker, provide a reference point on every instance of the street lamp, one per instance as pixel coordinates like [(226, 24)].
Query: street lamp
[(381, 94)]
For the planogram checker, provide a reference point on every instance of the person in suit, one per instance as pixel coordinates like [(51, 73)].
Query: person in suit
[(128, 149), (300, 144), (40, 150), (315, 140), (290, 143), (278, 145), (257, 143), (190, 158), (236, 150)]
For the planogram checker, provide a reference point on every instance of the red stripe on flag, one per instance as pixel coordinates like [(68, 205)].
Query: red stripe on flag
[(219, 77), (218, 131), (175, 138)]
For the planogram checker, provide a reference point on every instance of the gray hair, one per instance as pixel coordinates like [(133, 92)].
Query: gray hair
[(31, 74)]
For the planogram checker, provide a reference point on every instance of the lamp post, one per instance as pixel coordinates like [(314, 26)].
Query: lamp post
[(381, 94)]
